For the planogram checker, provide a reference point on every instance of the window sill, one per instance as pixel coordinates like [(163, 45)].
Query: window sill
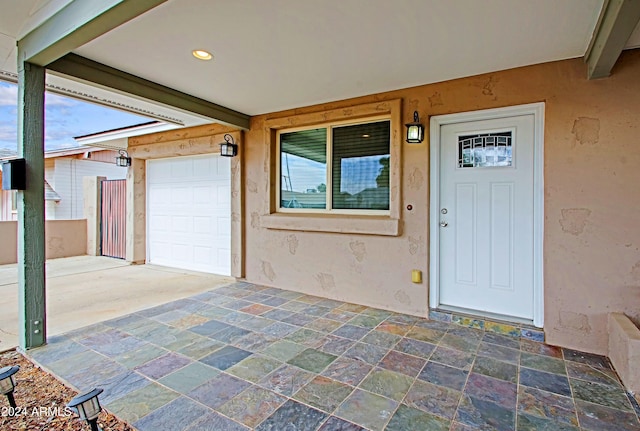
[(364, 225)]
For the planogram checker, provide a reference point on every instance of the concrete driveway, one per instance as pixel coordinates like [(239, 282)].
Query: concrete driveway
[(84, 290)]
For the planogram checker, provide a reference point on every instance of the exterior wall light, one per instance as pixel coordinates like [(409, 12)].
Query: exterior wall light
[(415, 130), (88, 407), (123, 160), (228, 148), (8, 383)]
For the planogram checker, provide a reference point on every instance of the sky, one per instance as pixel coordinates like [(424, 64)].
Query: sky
[(65, 118)]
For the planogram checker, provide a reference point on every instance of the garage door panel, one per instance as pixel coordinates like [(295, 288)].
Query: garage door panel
[(189, 220)]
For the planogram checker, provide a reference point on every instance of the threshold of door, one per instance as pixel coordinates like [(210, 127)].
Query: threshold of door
[(490, 322)]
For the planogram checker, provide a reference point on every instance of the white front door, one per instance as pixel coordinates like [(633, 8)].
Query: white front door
[(486, 223)]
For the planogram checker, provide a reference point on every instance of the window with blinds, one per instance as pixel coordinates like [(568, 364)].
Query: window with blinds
[(338, 167)]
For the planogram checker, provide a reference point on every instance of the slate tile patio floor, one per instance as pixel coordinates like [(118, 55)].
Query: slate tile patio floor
[(246, 357)]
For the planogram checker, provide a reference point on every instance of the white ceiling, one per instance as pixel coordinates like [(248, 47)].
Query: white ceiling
[(280, 54)]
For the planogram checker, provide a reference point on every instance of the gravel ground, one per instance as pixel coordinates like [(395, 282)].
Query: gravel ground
[(41, 401)]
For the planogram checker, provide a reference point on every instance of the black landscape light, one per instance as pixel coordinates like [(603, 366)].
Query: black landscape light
[(8, 383), (88, 407)]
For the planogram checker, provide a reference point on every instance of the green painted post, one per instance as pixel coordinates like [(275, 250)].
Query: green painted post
[(31, 239)]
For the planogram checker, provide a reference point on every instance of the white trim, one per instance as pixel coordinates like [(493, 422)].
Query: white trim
[(535, 109)]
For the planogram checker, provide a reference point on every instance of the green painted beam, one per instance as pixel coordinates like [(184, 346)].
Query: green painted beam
[(76, 24), (75, 66), (617, 21), (31, 240)]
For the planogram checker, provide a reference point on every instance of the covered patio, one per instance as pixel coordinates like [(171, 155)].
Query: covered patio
[(245, 356)]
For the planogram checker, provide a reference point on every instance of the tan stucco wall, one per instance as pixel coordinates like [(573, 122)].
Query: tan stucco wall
[(63, 238), (592, 202)]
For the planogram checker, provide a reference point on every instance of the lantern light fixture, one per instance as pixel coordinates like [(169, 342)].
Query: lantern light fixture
[(88, 407), (123, 160), (228, 148), (415, 130), (8, 383)]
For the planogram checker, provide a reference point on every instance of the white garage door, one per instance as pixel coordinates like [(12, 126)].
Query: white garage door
[(189, 213)]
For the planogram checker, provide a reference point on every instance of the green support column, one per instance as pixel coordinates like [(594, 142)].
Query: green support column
[(31, 239)]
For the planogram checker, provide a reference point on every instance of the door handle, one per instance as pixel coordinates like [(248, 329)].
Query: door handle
[(444, 224)]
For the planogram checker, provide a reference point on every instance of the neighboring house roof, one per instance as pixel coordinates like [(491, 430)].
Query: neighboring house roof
[(118, 139), (50, 194)]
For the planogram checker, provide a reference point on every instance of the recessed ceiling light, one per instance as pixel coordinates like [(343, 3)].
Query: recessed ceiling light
[(202, 54), (366, 136)]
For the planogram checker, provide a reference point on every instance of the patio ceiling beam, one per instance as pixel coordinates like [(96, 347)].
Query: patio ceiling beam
[(617, 21), (73, 65), (76, 24)]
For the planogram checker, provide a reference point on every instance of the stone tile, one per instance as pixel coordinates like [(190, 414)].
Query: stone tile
[(467, 322), (121, 385), (433, 324), (499, 352), (279, 329), (594, 417), (177, 415), (387, 383), (286, 380), (351, 332), (366, 352), (139, 356), (535, 423), (255, 342), (456, 426), (532, 334), (256, 309), (494, 368), (312, 360), (377, 313), (494, 390), (238, 304), (604, 395), (337, 424), (367, 410), (586, 358), (252, 406), (96, 340), (55, 352), (283, 350), (310, 299), (230, 335), (256, 323), (323, 393), (542, 363), (339, 315), (439, 316), (254, 368), (540, 348), (452, 357), (214, 312), (295, 417), (189, 321), (381, 339), (349, 371), (443, 375), (299, 319), (402, 363), (434, 399), (304, 336), (218, 390), (352, 308), (330, 303), (485, 415), (543, 404), (425, 334), (334, 345), (408, 418), (200, 348), (163, 365), (465, 332), (546, 381), (592, 374), (366, 321), (315, 310), (275, 301), (323, 325), (189, 377), (415, 348), (502, 329), (141, 402), (463, 344), (394, 328), (501, 340), (226, 357), (216, 422), (405, 319), (235, 317), (294, 306)]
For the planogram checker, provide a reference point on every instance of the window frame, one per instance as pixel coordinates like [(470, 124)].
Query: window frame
[(352, 223), (328, 169)]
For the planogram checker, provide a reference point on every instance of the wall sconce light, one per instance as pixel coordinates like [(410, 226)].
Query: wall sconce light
[(88, 407), (123, 160), (415, 130), (228, 148), (8, 383)]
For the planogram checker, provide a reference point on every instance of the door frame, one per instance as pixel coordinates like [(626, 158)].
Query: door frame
[(535, 109)]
